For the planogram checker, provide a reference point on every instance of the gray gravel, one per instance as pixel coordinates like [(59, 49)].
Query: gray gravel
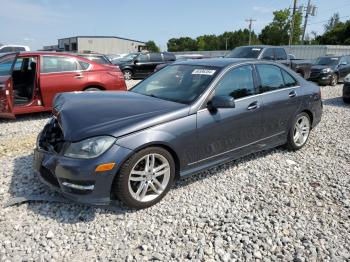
[(273, 205)]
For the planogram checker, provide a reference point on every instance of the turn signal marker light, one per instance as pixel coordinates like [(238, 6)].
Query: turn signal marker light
[(105, 167)]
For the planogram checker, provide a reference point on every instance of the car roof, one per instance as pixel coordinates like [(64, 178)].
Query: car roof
[(215, 62)]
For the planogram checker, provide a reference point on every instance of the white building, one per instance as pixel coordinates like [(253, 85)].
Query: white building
[(100, 44)]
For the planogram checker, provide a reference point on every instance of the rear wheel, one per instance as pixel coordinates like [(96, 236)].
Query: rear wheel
[(299, 132), (145, 178), (127, 74), (334, 80)]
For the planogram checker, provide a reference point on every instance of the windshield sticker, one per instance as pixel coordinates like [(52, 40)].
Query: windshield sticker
[(334, 58), (203, 72), (256, 49)]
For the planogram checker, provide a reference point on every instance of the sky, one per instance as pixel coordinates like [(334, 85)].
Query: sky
[(41, 22)]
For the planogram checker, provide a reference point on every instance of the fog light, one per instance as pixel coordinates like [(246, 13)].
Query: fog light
[(105, 167)]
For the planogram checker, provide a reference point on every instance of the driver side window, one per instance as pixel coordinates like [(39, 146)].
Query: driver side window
[(237, 83)]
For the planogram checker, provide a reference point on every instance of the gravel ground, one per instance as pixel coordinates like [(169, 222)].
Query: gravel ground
[(273, 205)]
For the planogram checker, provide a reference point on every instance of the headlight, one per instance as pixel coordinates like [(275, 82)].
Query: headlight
[(326, 70), (89, 148), (347, 79)]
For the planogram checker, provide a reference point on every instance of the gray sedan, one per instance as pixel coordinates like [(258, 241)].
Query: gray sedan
[(189, 116)]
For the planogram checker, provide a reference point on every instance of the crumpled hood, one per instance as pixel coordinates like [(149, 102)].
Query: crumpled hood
[(87, 114)]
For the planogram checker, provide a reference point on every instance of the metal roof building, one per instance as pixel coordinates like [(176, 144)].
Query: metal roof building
[(100, 44)]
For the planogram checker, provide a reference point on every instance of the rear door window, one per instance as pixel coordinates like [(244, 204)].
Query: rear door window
[(143, 58), (289, 81), (6, 64), (280, 54), (155, 57), (6, 49), (268, 54), (270, 78), (56, 64), (169, 57)]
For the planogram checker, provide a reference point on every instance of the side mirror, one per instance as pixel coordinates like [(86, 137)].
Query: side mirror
[(221, 102)]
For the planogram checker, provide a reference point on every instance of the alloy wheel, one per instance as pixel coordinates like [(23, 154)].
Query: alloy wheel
[(334, 80), (301, 130), (127, 75), (149, 177)]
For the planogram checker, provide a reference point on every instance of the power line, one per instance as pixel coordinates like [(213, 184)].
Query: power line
[(251, 20), (319, 22)]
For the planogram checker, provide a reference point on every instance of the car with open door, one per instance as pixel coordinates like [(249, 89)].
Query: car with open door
[(29, 81), (189, 116)]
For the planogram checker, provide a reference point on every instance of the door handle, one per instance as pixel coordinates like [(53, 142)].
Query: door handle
[(292, 94), (79, 76), (253, 106)]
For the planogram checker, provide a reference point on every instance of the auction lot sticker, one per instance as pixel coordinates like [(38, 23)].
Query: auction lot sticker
[(203, 72)]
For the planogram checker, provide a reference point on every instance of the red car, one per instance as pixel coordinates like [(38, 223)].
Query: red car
[(29, 81)]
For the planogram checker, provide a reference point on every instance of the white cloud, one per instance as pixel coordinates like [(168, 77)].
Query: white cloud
[(262, 9)]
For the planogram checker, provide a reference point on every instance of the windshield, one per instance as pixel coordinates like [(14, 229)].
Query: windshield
[(327, 61), (98, 59), (244, 52), (178, 83)]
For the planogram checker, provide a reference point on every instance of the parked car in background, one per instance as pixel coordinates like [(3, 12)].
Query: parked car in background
[(329, 70), (13, 48), (29, 81), (346, 89), (187, 117), (181, 58), (272, 53), (143, 64)]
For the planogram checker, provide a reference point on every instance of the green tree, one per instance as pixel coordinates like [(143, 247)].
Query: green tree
[(151, 46), (339, 35), (278, 31), (182, 44), (207, 43)]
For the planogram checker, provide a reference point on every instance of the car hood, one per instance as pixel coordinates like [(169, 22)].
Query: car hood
[(86, 114), (320, 67)]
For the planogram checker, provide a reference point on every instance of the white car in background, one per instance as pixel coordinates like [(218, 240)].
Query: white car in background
[(13, 48)]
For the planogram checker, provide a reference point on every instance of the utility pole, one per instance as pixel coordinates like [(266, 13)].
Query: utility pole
[(251, 20), (226, 42), (310, 10), (292, 23)]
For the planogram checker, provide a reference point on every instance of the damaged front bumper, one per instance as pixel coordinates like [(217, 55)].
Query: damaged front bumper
[(76, 178)]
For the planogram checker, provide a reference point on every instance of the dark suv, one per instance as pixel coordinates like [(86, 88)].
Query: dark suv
[(272, 53), (329, 70), (143, 64)]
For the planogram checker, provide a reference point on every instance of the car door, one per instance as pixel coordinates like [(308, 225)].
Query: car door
[(281, 98), (60, 74), (229, 130), (141, 65), (7, 63)]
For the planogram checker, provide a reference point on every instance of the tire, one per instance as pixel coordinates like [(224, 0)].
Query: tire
[(334, 80), (127, 74), (136, 187), (92, 89), (346, 100), (302, 126)]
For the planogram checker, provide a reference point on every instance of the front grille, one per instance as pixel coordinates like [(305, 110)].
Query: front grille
[(49, 177), (315, 73), (51, 138)]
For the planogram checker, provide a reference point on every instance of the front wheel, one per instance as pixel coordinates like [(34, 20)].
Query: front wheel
[(145, 178), (334, 80), (299, 132)]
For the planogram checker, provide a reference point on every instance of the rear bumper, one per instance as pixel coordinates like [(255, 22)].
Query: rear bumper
[(76, 179)]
